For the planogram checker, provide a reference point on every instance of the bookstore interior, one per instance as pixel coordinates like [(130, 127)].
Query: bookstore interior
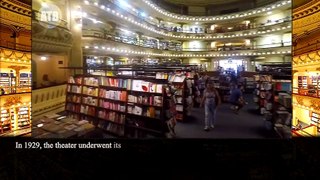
[(305, 63), (15, 68), (138, 69)]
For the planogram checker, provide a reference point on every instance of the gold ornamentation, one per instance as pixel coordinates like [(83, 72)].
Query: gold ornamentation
[(13, 100), (299, 100), (315, 104)]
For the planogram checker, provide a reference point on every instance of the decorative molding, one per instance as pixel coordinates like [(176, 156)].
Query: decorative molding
[(310, 58), (49, 47), (306, 102), (14, 54), (315, 104), (57, 39), (13, 100), (14, 19), (16, 6), (299, 100), (306, 9)]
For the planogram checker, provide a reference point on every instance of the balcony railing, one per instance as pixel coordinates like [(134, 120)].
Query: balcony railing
[(176, 47), (166, 29), (308, 48), (180, 10), (48, 99), (15, 90), (302, 132), (13, 45), (234, 28)]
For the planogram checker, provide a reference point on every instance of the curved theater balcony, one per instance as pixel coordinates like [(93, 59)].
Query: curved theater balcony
[(100, 47), (50, 37), (14, 46), (161, 25), (152, 30), (99, 37), (148, 6), (158, 11)]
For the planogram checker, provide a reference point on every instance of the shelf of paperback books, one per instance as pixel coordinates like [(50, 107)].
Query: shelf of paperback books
[(248, 80), (183, 94), (131, 101), (273, 96), (15, 118), (112, 103)]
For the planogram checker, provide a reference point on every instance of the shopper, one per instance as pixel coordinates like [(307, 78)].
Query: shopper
[(45, 81), (2, 92), (210, 100), (236, 98)]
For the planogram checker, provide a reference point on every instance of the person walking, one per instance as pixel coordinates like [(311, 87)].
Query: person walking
[(210, 100), (236, 98)]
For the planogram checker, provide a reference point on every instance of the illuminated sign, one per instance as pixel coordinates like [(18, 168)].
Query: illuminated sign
[(49, 15)]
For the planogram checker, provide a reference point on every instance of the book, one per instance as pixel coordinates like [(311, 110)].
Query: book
[(137, 110), (159, 88), (153, 87), (157, 101), (136, 85)]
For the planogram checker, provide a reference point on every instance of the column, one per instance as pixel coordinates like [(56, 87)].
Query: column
[(76, 53)]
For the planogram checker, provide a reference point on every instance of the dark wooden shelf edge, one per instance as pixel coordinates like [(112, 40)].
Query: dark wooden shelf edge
[(143, 116)]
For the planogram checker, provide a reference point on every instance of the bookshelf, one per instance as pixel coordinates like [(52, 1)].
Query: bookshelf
[(282, 105), (263, 93), (23, 117), (315, 120), (5, 125), (25, 80), (178, 83), (129, 100), (273, 96), (4, 80), (15, 118), (118, 105)]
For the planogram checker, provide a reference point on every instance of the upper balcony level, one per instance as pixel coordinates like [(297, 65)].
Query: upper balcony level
[(194, 46), (146, 8), (16, 14), (50, 37), (106, 14), (14, 46), (228, 11), (270, 17), (306, 23), (307, 48), (99, 46)]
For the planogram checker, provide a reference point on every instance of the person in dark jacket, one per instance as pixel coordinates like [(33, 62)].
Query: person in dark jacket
[(236, 98), (2, 92)]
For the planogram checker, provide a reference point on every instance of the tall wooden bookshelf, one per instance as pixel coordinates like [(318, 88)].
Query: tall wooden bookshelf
[(129, 100), (118, 105)]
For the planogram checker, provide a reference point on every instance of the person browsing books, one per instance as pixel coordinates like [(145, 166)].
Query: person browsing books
[(210, 101)]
